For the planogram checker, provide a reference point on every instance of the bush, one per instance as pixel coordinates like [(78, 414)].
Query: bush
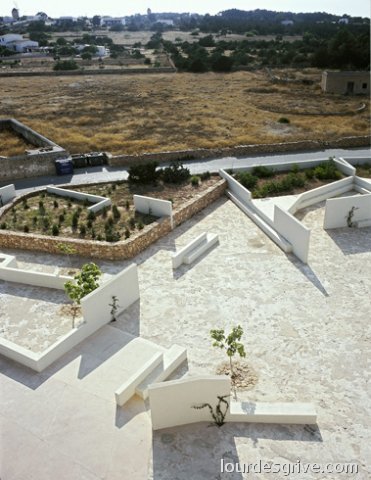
[(175, 173), (127, 233), (46, 223), (26, 228), (132, 223), (35, 220), (140, 225), (61, 218), (82, 229), (309, 173), (91, 216), (112, 236), (205, 176), (66, 65), (262, 172), (247, 179), (55, 230), (3, 226), (25, 204), (41, 208), (143, 174), (127, 205), (75, 220), (55, 204), (195, 181), (283, 120), (116, 212), (327, 171)]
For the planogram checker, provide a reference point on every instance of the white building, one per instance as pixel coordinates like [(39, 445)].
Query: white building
[(165, 21), (287, 23), (344, 21), (17, 43), (112, 21)]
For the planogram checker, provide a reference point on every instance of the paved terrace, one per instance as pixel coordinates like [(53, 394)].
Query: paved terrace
[(306, 333)]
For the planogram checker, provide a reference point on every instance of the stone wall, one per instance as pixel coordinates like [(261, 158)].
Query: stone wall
[(238, 151), (103, 71), (110, 251)]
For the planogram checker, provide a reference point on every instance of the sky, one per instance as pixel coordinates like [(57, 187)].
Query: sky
[(89, 8)]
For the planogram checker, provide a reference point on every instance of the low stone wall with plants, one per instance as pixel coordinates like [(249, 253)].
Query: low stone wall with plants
[(110, 251)]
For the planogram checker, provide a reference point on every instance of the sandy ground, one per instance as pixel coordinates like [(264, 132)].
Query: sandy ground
[(307, 338)]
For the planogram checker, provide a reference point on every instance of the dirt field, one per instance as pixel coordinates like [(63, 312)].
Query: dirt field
[(134, 114)]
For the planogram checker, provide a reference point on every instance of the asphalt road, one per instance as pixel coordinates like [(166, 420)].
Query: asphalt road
[(105, 173)]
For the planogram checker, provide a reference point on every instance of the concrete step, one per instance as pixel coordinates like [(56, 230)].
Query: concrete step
[(172, 358)]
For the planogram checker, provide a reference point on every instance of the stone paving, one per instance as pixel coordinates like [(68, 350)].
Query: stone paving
[(307, 335)]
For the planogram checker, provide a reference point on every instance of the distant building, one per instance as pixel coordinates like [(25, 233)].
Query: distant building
[(351, 83), (165, 21), (17, 43), (15, 14), (112, 21), (287, 23), (344, 21)]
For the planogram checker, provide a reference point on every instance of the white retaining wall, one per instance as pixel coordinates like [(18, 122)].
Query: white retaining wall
[(98, 201), (337, 210), (294, 231), (125, 286), (153, 206), (319, 194), (171, 404), (363, 183), (7, 194), (96, 312), (238, 190)]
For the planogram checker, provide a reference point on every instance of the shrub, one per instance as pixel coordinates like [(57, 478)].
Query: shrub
[(91, 216), (25, 204), (3, 226), (75, 220), (205, 176), (55, 204), (86, 202), (309, 173), (116, 212), (195, 180), (104, 212), (35, 220), (262, 172), (143, 174), (61, 218), (132, 222), (283, 120), (247, 179), (26, 228), (175, 173), (127, 233), (108, 224), (82, 229), (55, 230), (89, 223), (46, 223), (41, 208), (127, 205), (66, 65), (140, 225), (327, 171), (112, 236)]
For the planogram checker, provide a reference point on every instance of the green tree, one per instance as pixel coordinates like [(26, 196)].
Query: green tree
[(86, 281), (230, 343)]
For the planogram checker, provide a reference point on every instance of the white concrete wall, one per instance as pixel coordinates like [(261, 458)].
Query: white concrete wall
[(178, 257), (239, 191), (344, 166), (171, 402), (125, 286), (98, 201), (319, 194), (37, 279), (363, 183), (358, 160), (294, 231), (337, 210), (7, 194), (96, 312), (153, 206)]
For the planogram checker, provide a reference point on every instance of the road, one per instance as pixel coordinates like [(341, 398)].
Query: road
[(106, 174)]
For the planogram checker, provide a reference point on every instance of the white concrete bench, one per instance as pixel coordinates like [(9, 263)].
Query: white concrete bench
[(194, 249), (127, 389), (289, 413), (172, 358)]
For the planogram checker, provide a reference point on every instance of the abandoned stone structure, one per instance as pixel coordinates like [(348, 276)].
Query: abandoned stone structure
[(34, 162), (352, 83)]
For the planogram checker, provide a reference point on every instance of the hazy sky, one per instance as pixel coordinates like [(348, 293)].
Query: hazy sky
[(56, 8)]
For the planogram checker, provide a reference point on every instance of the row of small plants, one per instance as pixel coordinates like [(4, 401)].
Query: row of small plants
[(52, 216), (262, 182)]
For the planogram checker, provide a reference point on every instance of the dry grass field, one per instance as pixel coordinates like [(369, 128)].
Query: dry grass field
[(148, 113), (12, 144)]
